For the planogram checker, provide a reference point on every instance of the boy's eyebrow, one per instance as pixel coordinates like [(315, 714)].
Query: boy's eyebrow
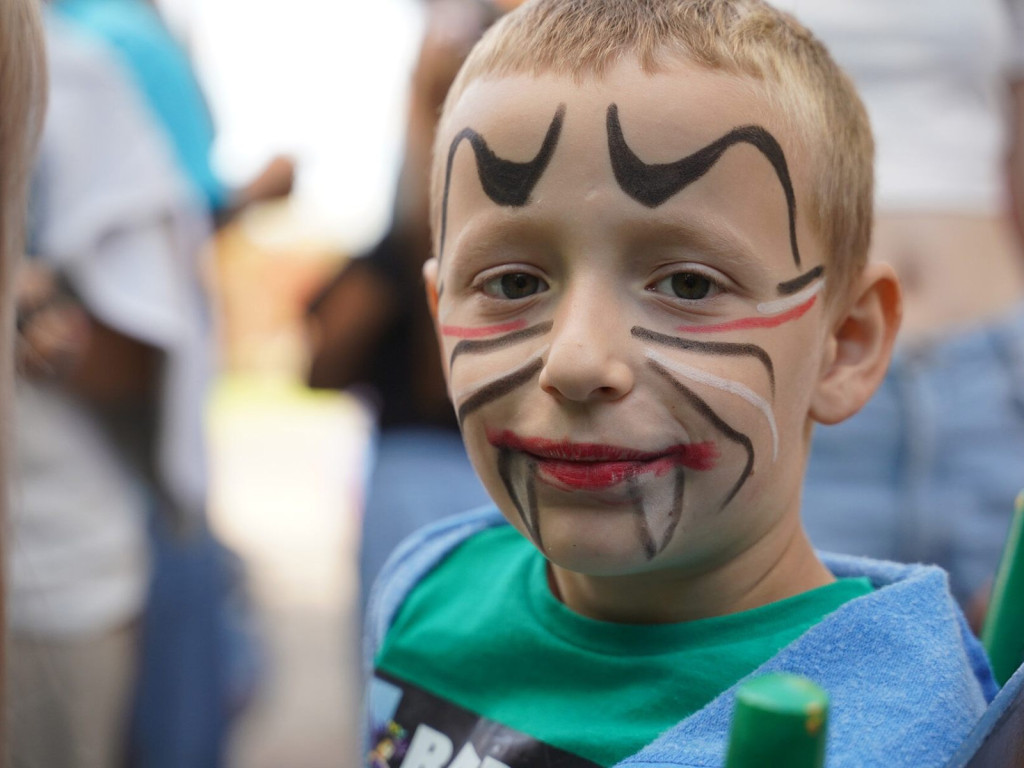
[(506, 182), (714, 238), (653, 184)]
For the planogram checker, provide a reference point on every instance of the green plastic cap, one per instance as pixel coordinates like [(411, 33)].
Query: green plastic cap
[(779, 720)]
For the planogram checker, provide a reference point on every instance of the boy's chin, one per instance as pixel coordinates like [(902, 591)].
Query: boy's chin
[(602, 541)]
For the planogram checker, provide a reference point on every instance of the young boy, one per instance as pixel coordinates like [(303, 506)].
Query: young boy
[(651, 223)]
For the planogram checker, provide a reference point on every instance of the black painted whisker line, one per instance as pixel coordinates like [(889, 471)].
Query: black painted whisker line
[(506, 182), (505, 458), (642, 525), (708, 412), (797, 284), (651, 185), (477, 346), (731, 349), (499, 388), (676, 513), (532, 507)]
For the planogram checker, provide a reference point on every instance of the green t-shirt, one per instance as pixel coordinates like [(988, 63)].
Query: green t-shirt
[(484, 632)]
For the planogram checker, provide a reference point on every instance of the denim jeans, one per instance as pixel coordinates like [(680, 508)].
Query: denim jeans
[(928, 470)]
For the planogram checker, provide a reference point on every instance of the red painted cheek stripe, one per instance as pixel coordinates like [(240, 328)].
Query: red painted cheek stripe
[(461, 332), (752, 322)]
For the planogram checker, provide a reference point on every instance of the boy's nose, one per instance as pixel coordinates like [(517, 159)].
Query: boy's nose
[(588, 359)]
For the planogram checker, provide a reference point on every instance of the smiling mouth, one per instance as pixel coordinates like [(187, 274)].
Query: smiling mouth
[(595, 466)]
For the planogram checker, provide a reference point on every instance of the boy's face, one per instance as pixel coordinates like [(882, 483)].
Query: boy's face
[(631, 337)]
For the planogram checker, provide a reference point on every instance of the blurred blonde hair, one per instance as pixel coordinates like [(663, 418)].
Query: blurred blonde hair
[(23, 100), (22, 105), (583, 38)]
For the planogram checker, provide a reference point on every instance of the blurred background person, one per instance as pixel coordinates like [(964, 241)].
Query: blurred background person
[(22, 91), (929, 469), (115, 355), (161, 69), (199, 657), (370, 328)]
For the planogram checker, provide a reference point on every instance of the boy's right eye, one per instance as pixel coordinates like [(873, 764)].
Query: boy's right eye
[(514, 285)]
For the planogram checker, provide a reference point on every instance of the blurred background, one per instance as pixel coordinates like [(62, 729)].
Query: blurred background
[(230, 407), (323, 86), (327, 84)]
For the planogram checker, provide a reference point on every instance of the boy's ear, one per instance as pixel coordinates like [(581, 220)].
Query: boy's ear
[(859, 346), (430, 269), (430, 279)]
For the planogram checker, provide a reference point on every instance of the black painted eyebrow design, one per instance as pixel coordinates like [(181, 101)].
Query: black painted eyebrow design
[(708, 412), (499, 388), (476, 346), (709, 348), (506, 182), (652, 185), (792, 286)]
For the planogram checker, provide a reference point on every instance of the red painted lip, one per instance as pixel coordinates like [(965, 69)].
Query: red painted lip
[(593, 466)]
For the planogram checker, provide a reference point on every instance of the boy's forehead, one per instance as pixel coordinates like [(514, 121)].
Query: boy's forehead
[(633, 135), (678, 108)]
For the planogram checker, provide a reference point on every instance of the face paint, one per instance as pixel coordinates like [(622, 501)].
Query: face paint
[(791, 307), (701, 376), (476, 333), (467, 347), (522, 462), (799, 283), (497, 388), (506, 182), (652, 185), (728, 432), (521, 485), (600, 422), (774, 318), (711, 348)]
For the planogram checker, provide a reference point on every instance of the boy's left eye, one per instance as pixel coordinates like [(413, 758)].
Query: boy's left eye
[(691, 286), (514, 285)]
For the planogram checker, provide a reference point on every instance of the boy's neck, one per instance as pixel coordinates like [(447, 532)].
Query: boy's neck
[(778, 566)]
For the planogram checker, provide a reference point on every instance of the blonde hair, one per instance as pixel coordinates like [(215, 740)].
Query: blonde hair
[(748, 38), (23, 96)]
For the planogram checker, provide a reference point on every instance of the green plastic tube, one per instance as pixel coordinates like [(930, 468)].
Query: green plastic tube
[(1003, 633), (779, 720)]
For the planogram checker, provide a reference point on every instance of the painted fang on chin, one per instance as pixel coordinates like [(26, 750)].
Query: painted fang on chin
[(513, 466), (653, 541), (642, 525)]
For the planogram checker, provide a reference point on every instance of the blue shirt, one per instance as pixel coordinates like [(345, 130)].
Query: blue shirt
[(164, 75)]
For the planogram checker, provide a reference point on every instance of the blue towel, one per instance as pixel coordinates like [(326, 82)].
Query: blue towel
[(906, 677)]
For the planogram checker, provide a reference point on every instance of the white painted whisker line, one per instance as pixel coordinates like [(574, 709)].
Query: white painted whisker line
[(726, 385), (782, 305)]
